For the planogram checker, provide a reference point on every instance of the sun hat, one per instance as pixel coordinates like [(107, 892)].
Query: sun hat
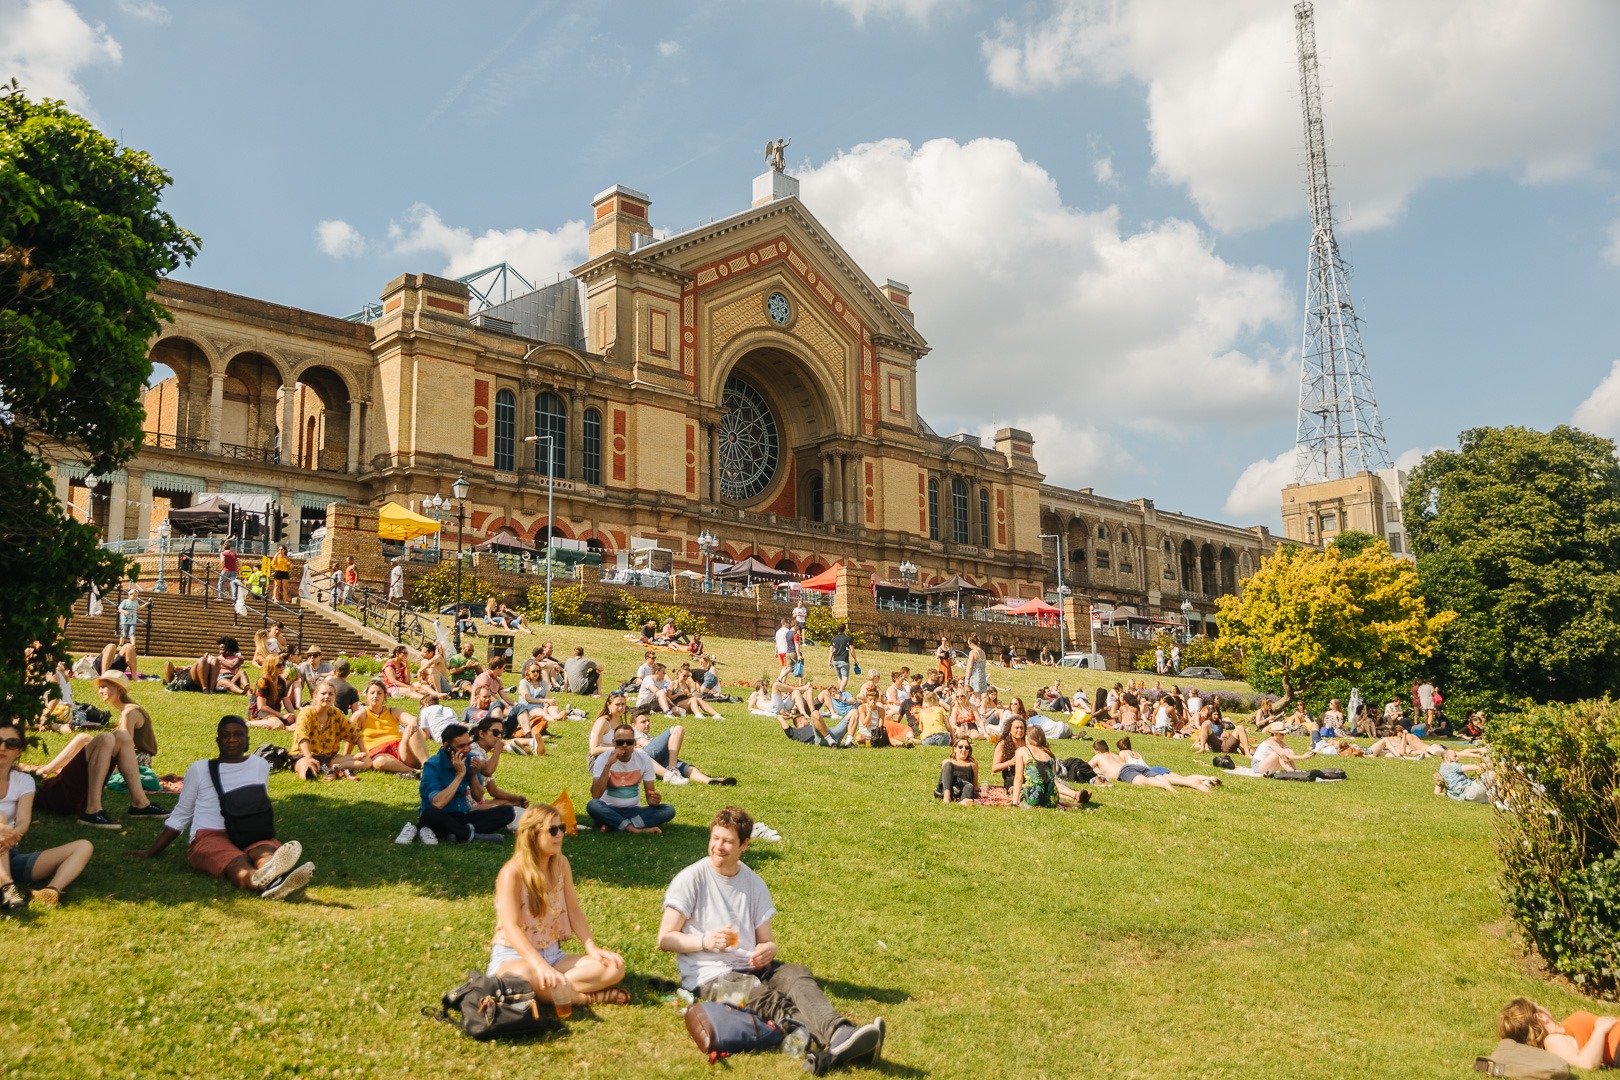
[(1276, 727), (116, 677)]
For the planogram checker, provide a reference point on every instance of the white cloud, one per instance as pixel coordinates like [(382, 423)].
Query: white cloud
[(537, 254), (1103, 170), (1413, 92), (1600, 412), (1040, 308), (45, 43), (339, 239), (919, 10), (146, 10), (1611, 253), (1407, 460), (1079, 445), (1258, 491), (668, 48)]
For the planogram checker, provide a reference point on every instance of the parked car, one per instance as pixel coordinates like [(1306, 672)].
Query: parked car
[(476, 610), (1092, 661), (1202, 673)]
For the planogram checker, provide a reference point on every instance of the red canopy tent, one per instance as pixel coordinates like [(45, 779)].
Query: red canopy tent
[(1033, 606), (826, 581)]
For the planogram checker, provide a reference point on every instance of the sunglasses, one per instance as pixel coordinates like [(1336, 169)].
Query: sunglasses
[(624, 742), (556, 830), (11, 744)]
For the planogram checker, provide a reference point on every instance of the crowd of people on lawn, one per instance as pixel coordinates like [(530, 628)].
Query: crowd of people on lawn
[(717, 913)]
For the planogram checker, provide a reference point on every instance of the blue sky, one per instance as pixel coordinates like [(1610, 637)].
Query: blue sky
[(1098, 205)]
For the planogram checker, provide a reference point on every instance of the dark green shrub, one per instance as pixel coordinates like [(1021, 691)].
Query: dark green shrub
[(821, 624), (1559, 835), (437, 587), (1199, 652), (638, 611)]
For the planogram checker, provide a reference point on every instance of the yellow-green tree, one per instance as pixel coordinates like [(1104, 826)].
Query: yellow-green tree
[(1313, 617)]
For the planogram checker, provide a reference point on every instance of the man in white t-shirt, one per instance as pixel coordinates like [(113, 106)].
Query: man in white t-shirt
[(1425, 693), (654, 691), (266, 865), (717, 920), (784, 645), (436, 716), (617, 781)]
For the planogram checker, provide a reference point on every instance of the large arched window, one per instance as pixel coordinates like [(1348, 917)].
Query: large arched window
[(959, 510), (984, 516), (551, 418), (933, 508), (506, 431), (590, 453)]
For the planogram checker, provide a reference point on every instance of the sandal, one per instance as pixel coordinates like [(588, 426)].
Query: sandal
[(613, 995)]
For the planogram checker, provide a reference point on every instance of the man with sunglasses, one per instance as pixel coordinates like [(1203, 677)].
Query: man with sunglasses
[(617, 781), (451, 785)]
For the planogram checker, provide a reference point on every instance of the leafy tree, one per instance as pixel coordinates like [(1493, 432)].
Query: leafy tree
[(1309, 618), (1353, 541), (1518, 531), (82, 247)]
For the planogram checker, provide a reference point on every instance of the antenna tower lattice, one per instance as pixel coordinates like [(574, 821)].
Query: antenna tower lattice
[(1340, 432)]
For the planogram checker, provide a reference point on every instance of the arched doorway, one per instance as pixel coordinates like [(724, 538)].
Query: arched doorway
[(320, 411), (775, 419)]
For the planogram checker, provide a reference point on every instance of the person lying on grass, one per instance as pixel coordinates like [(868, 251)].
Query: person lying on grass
[(325, 740), (536, 910), (618, 780), (243, 851), (75, 777), (1403, 744), (717, 920), (1035, 781), (1583, 1040), (1112, 766), (958, 774), (1459, 781), (1127, 753), (451, 787), (393, 739), (665, 750), (812, 731), (46, 872), (1273, 754)]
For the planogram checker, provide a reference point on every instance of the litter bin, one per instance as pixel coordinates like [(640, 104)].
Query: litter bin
[(499, 645)]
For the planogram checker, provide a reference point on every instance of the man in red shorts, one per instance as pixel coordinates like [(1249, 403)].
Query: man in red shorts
[(242, 850)]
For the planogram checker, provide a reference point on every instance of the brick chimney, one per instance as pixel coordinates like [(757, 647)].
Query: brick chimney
[(618, 215), (900, 296)]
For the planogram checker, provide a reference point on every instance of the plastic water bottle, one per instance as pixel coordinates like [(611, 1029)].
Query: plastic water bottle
[(796, 1043)]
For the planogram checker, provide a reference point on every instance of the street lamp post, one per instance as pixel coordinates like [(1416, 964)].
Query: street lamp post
[(163, 531), (459, 489), (1062, 590), (708, 543), (551, 520)]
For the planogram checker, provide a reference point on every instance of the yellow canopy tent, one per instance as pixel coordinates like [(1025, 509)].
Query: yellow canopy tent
[(395, 522)]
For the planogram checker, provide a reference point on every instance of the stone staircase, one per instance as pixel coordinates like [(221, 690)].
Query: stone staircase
[(183, 626)]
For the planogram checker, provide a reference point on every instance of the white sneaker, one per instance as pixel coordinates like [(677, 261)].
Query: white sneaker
[(512, 826), (427, 836), (285, 858), (676, 779), (407, 833), (289, 884)]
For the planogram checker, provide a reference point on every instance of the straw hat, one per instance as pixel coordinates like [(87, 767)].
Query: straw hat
[(1276, 727), (116, 677)]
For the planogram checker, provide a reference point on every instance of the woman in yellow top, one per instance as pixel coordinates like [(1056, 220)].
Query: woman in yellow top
[(393, 739), (933, 725), (536, 910), (281, 575), (325, 739)]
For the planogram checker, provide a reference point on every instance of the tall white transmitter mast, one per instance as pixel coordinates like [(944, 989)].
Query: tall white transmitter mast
[(1340, 432)]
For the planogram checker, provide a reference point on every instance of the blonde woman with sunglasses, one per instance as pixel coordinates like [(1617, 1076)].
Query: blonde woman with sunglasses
[(536, 910)]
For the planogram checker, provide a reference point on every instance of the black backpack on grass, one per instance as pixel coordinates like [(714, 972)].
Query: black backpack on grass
[(1074, 770), (495, 1007), (279, 757)]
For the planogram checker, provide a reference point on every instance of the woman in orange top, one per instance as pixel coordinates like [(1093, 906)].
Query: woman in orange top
[(1584, 1040), (945, 658)]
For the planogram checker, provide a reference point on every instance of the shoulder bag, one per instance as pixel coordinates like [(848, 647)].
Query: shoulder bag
[(249, 818)]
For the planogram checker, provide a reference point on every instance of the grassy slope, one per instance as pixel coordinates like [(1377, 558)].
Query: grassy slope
[(1266, 930)]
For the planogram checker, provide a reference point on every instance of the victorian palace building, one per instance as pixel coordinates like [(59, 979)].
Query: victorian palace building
[(744, 378)]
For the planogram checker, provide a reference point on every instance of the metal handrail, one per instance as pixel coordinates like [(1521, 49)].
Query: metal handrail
[(373, 609)]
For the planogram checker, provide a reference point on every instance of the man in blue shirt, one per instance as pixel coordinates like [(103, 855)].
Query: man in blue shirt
[(450, 787)]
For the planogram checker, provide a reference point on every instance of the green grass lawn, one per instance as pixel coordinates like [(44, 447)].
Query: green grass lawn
[(1268, 929)]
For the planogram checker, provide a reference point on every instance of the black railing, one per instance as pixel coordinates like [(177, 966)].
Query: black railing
[(166, 441), (374, 610), (195, 445)]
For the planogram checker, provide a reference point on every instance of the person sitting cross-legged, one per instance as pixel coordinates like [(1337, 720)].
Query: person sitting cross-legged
[(483, 757), (393, 739), (717, 921), (74, 779), (325, 739), (1273, 754), (536, 910), (451, 785), (664, 749), (242, 849), (959, 775), (45, 872), (617, 781)]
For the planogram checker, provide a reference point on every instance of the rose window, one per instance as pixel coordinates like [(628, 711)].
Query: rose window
[(750, 443)]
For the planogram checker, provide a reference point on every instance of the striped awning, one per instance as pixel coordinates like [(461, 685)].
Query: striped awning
[(231, 487), (168, 481), (308, 500)]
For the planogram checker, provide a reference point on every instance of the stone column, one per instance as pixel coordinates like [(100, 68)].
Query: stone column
[(216, 409), (292, 517), (290, 440), (856, 490), (712, 435), (356, 411), (138, 517), (575, 466), (852, 602), (826, 486), (1196, 585), (840, 497)]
